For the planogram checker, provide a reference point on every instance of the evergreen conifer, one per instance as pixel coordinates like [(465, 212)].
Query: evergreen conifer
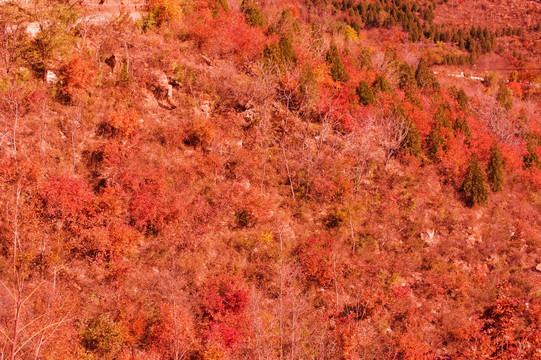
[(504, 97), (412, 142), (435, 142), (365, 93), (531, 158), (253, 14), (495, 168), (424, 76), (381, 84), (338, 70), (474, 184)]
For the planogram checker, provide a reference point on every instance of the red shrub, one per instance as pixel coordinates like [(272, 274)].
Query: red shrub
[(226, 35), (227, 334), (145, 206), (223, 302), (66, 198), (316, 260), (77, 76), (121, 124), (222, 297)]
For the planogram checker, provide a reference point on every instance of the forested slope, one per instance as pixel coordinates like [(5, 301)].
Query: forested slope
[(266, 180)]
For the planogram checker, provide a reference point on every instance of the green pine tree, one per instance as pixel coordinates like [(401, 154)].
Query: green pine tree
[(462, 99), (407, 80), (495, 168), (382, 84), (461, 124), (531, 158), (219, 4), (287, 51), (253, 14), (365, 93), (444, 115), (425, 77), (474, 185), (279, 55), (271, 55), (435, 142), (504, 97), (412, 142), (365, 59), (338, 70)]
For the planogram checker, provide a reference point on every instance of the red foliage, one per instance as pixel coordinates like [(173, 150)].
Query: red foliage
[(422, 119), (513, 328), (223, 302), (323, 189), (122, 124), (35, 97), (510, 328), (223, 296), (414, 348), (66, 198), (335, 106), (347, 337), (402, 291), (164, 327), (122, 238), (227, 334), (315, 256), (516, 88), (77, 75), (145, 205), (226, 35)]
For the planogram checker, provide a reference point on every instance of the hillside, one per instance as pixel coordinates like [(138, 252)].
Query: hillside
[(293, 179)]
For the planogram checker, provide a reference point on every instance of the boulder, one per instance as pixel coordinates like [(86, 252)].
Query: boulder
[(50, 77), (159, 84), (33, 29), (111, 61)]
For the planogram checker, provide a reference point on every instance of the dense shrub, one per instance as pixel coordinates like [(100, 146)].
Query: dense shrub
[(102, 336), (274, 212), (316, 260), (161, 11)]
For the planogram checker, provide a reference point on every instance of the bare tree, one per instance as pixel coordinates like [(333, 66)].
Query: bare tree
[(11, 110), (26, 327), (498, 120), (12, 34), (391, 131)]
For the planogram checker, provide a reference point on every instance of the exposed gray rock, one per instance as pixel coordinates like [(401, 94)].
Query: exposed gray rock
[(159, 84), (50, 77)]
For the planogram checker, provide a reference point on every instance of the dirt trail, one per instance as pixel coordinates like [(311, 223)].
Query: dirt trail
[(115, 5)]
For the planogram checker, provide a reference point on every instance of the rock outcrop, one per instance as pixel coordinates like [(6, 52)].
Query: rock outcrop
[(159, 84)]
